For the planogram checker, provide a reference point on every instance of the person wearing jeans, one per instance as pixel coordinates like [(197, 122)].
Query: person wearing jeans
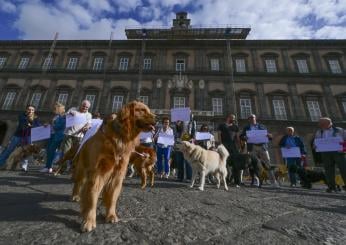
[(293, 163), (26, 121), (163, 151), (58, 127)]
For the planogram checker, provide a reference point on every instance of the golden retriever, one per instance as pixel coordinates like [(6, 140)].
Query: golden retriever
[(205, 161), (102, 162), (144, 159), (20, 153)]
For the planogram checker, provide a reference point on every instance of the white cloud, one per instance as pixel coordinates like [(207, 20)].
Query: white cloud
[(95, 19), (124, 6), (7, 6)]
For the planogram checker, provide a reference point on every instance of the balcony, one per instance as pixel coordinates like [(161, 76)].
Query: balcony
[(196, 113)]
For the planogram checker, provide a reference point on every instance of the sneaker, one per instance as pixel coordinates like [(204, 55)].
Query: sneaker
[(46, 170), (275, 185), (166, 176), (25, 166)]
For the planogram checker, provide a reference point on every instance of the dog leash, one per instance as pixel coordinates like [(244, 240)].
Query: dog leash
[(141, 154)]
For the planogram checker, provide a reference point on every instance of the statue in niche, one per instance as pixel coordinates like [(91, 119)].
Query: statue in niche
[(158, 83), (201, 84)]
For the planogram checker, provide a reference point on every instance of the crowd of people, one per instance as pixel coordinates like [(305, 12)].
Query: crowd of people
[(170, 161)]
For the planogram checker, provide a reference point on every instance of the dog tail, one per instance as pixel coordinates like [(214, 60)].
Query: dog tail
[(223, 153)]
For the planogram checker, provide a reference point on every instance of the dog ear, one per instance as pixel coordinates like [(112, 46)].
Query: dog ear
[(126, 118)]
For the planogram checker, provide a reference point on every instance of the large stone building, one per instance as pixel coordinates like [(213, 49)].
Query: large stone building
[(214, 71)]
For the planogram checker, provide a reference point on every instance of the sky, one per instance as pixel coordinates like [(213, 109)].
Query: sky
[(97, 19)]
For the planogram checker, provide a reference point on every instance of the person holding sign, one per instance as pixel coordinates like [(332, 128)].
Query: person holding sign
[(75, 132), (163, 137), (293, 150), (57, 135), (327, 140), (257, 146), (26, 121), (204, 138)]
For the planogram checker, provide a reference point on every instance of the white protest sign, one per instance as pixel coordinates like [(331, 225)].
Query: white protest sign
[(165, 139), (257, 136), (328, 144), (96, 121), (40, 133), (72, 120), (290, 152), (203, 136), (146, 137), (91, 132), (180, 114)]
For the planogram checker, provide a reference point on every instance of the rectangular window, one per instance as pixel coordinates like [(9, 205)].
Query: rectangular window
[(240, 65), (48, 62), (62, 98), (147, 64), (178, 102), (279, 110), (180, 65), (2, 62), (271, 66), (314, 110), (117, 102), (217, 106), (245, 108), (91, 98), (98, 64), (123, 64), (334, 66), (9, 99), (35, 99), (72, 63), (302, 66), (214, 64), (23, 63), (144, 99)]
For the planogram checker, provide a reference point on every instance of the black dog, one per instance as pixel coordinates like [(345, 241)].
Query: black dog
[(307, 177), (242, 161)]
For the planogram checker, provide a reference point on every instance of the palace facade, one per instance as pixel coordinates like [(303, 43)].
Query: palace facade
[(214, 71)]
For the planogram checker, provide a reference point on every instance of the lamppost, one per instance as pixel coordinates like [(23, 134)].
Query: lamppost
[(230, 62), (141, 63)]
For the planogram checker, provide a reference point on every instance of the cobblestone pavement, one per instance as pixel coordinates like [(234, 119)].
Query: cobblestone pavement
[(35, 209)]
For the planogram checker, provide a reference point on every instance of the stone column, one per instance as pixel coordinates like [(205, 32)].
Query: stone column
[(297, 105), (102, 105), (317, 60), (262, 102), (285, 60), (331, 103), (254, 58), (77, 94), (50, 96)]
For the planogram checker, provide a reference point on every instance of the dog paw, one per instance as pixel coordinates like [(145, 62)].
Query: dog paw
[(112, 218), (201, 188), (218, 186), (75, 198), (226, 188), (88, 226), (143, 187)]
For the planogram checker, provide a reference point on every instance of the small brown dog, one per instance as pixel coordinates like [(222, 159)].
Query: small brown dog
[(144, 159), (19, 154)]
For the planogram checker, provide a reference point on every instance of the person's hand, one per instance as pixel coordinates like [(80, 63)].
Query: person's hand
[(73, 113), (269, 135), (84, 129), (45, 125), (288, 147)]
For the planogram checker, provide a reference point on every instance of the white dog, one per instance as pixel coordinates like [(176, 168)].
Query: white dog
[(205, 161)]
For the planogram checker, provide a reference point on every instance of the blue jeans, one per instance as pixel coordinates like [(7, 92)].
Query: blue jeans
[(293, 164), (53, 144), (164, 153), (12, 144)]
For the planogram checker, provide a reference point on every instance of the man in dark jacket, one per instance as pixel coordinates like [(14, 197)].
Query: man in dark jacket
[(259, 150)]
